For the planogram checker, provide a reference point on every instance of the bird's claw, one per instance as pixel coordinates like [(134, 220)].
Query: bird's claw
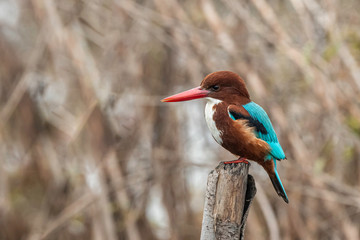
[(240, 160)]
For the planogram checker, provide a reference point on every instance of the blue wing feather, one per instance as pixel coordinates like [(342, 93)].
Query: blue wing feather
[(270, 137)]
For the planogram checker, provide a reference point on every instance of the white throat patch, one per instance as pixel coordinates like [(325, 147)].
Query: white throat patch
[(209, 113)]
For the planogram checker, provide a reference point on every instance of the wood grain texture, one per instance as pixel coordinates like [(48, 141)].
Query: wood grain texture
[(229, 193)]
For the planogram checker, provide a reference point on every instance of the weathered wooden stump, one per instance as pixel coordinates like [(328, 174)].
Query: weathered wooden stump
[(229, 193)]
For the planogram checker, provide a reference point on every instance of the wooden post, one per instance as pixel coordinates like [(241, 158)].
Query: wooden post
[(229, 193)]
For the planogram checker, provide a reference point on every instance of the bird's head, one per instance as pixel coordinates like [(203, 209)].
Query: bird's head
[(223, 85)]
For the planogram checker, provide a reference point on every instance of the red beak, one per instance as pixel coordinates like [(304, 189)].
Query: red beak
[(187, 95)]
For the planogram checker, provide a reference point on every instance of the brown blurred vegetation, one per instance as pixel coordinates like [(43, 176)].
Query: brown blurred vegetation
[(89, 152)]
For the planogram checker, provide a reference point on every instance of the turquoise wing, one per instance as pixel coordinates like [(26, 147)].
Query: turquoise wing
[(266, 132)]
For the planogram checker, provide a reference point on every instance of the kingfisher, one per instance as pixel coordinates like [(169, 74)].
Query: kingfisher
[(238, 124)]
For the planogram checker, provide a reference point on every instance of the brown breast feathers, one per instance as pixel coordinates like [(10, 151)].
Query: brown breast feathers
[(237, 136)]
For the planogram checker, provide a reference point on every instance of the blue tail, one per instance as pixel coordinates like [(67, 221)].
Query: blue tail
[(278, 185)]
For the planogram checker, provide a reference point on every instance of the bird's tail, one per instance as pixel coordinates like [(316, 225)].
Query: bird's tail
[(275, 179)]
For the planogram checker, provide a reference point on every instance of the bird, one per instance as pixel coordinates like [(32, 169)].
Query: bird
[(237, 123)]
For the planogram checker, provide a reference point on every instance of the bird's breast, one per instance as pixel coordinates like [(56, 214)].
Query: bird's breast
[(210, 110), (234, 135)]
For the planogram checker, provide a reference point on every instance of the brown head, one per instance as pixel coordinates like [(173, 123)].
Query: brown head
[(223, 85)]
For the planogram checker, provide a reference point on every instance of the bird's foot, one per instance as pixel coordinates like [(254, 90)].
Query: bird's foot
[(240, 160)]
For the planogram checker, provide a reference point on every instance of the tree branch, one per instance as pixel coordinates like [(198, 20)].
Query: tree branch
[(229, 194)]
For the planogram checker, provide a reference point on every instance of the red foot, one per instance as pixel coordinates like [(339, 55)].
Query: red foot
[(240, 160)]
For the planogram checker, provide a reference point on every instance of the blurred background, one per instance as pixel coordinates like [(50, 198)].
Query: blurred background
[(88, 151)]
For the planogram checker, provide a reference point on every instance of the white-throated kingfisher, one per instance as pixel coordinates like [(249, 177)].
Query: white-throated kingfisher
[(237, 123)]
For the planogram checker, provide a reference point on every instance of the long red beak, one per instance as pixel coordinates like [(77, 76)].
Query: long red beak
[(187, 95)]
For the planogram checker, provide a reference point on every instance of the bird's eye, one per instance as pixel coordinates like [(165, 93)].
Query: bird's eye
[(214, 87)]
